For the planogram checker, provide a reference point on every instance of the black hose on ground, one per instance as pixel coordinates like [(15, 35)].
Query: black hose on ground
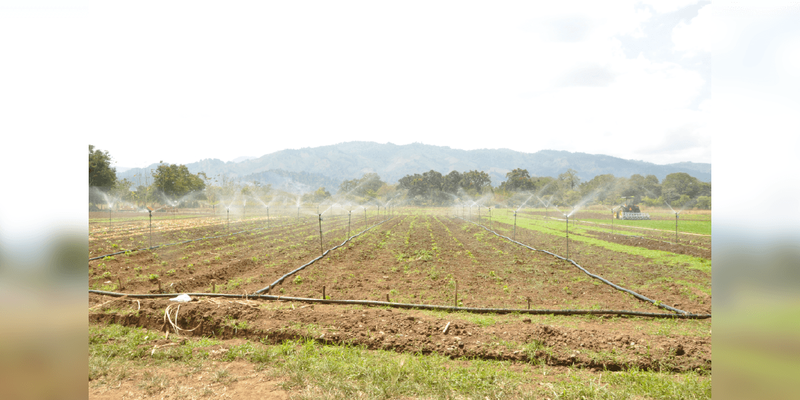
[(416, 306), (620, 288)]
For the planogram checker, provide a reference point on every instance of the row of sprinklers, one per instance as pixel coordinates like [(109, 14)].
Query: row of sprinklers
[(289, 206), (464, 208)]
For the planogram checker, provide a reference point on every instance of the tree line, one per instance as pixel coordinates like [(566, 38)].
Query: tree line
[(430, 188)]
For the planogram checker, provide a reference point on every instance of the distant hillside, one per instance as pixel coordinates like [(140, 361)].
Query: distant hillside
[(329, 165), (293, 181)]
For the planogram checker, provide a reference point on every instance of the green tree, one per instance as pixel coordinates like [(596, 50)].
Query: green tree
[(682, 201), (601, 186), (475, 181), (453, 182), (100, 171), (678, 184), (703, 203), (570, 179), (317, 196), (366, 186), (518, 179), (101, 175), (122, 190), (176, 181), (427, 188)]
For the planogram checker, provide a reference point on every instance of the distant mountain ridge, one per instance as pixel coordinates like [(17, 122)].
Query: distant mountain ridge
[(330, 165)]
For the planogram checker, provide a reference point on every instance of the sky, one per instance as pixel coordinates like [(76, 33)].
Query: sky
[(184, 81)]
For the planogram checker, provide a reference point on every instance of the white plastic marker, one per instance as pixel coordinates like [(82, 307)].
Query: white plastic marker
[(184, 298)]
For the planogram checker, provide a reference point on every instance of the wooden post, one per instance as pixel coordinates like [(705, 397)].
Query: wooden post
[(387, 298), (159, 286), (120, 283), (213, 286), (529, 303), (323, 293)]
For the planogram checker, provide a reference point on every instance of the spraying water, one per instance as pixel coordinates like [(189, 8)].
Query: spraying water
[(524, 202)]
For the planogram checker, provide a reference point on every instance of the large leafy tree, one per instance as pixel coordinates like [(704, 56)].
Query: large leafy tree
[(100, 171), (570, 178), (366, 186), (518, 179), (601, 187), (453, 181), (678, 184), (426, 188), (475, 181), (176, 180), (317, 196)]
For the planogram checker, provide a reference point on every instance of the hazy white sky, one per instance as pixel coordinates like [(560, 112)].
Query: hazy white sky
[(182, 81)]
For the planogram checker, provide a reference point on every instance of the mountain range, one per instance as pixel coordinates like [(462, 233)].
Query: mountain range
[(328, 166)]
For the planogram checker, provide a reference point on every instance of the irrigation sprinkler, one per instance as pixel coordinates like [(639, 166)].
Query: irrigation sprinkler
[(349, 214), (515, 225), (149, 210), (298, 214), (365, 217), (567, 236), (676, 227), (229, 218), (321, 250), (490, 220), (267, 217)]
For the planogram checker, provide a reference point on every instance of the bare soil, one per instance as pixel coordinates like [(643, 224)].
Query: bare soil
[(413, 259)]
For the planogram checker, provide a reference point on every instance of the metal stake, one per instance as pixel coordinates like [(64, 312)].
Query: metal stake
[(515, 225), (320, 235), (567, 237), (151, 227)]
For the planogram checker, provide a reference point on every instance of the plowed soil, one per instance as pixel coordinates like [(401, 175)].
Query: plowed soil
[(420, 259)]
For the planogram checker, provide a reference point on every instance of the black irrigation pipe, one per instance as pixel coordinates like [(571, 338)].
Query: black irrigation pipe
[(176, 243), (280, 280), (416, 306), (600, 278)]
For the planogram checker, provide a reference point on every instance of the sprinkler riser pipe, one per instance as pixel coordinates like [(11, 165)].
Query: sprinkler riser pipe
[(567, 237), (151, 228), (321, 249), (515, 225)]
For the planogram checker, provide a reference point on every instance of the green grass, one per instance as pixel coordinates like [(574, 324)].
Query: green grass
[(657, 256), (344, 372), (701, 227), (633, 384)]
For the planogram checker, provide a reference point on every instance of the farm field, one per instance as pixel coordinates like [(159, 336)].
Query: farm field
[(417, 256)]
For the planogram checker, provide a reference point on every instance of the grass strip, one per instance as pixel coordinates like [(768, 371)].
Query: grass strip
[(345, 372), (658, 256)]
